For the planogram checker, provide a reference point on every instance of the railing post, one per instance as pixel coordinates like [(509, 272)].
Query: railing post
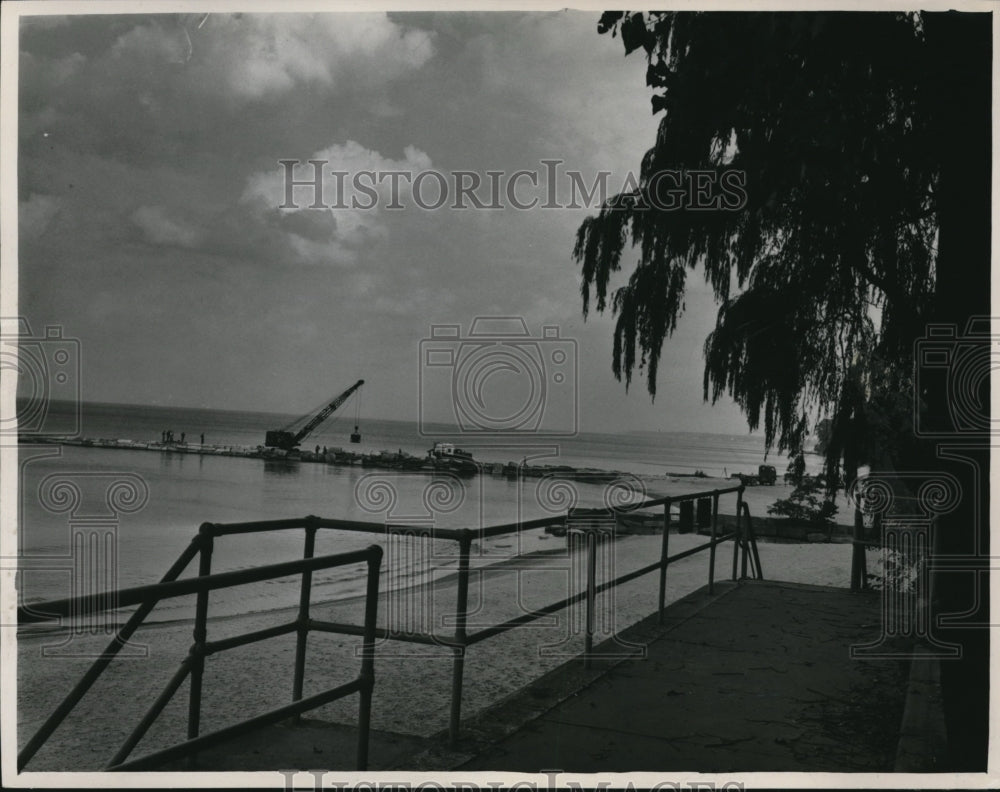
[(752, 543), (664, 555), (588, 640), (368, 656), (200, 634), (737, 532), (461, 615), (711, 550), (303, 620), (102, 661), (744, 536)]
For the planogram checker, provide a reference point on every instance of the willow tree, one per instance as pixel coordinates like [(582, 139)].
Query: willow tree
[(862, 145)]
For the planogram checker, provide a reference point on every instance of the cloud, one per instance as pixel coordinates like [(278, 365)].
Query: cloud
[(151, 42), (154, 88), (166, 131), (44, 22), (50, 73), (35, 214), (329, 251), (251, 56), (160, 228), (331, 235), (351, 158), (534, 65)]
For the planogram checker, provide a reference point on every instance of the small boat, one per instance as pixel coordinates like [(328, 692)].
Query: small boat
[(450, 458)]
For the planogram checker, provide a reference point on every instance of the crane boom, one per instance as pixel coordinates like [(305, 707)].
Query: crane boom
[(284, 439)]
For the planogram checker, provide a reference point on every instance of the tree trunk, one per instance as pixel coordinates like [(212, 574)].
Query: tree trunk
[(963, 44)]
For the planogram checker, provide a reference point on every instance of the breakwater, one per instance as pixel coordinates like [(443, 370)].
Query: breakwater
[(386, 460)]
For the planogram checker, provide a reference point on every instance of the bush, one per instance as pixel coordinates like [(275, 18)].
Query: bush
[(796, 470), (896, 571), (808, 503)]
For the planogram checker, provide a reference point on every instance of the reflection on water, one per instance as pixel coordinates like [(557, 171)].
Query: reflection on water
[(281, 467)]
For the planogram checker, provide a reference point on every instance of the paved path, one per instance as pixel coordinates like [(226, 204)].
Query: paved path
[(757, 678)]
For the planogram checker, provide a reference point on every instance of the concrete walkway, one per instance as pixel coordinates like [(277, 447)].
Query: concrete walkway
[(757, 677)]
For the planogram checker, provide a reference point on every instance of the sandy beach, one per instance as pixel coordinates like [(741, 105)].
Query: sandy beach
[(412, 689)]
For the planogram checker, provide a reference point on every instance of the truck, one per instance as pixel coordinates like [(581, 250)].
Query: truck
[(766, 474)]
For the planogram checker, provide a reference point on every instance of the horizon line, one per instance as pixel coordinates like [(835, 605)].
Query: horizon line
[(747, 433)]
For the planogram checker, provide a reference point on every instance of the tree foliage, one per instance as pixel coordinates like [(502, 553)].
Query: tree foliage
[(796, 469), (827, 274), (808, 503), (822, 435)]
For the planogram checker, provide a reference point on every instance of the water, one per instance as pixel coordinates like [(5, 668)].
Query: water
[(638, 452), (177, 492)]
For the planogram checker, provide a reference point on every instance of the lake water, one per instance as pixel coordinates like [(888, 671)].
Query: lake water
[(160, 499)]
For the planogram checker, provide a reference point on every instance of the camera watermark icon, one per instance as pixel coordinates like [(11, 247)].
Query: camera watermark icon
[(499, 380), (47, 368), (903, 508), (92, 505), (960, 365), (421, 561), (591, 534), (411, 508)]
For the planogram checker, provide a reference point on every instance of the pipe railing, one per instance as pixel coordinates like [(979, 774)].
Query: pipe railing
[(147, 597), (742, 536)]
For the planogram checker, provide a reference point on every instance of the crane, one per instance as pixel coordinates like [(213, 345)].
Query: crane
[(285, 440)]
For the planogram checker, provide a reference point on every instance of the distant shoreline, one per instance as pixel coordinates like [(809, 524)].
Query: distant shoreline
[(444, 429)]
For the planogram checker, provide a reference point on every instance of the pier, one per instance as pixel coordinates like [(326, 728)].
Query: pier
[(385, 460)]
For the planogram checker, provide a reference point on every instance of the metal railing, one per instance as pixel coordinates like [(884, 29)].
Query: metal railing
[(742, 536), (147, 597)]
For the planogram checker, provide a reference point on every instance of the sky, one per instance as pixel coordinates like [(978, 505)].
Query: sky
[(149, 188)]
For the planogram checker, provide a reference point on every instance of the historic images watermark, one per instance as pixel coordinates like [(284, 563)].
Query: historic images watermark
[(312, 184), (499, 379), (319, 780), (506, 392), (903, 509), (47, 368), (960, 361), (502, 574), (92, 505)]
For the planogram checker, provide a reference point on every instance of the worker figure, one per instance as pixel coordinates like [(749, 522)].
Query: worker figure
[(203, 438), (182, 436)]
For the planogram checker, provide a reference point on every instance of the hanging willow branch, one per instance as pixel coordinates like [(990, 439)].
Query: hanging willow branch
[(827, 122)]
